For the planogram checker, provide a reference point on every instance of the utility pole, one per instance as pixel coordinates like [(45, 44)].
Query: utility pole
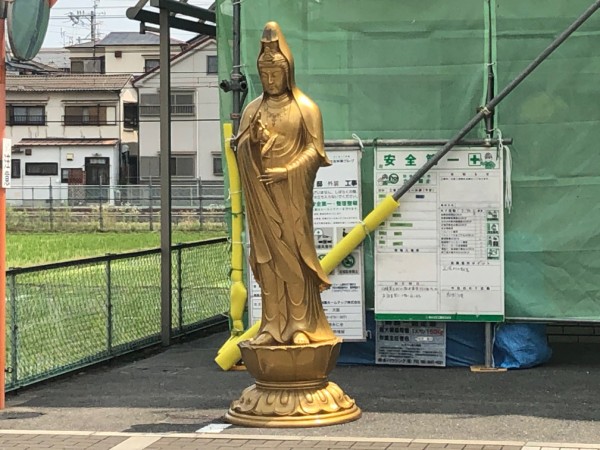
[(93, 21), (83, 19)]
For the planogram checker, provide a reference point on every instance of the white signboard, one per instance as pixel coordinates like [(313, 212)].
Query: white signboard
[(440, 255), (411, 343), (336, 210), (6, 162)]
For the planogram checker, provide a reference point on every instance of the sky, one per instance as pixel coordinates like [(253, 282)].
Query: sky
[(111, 17)]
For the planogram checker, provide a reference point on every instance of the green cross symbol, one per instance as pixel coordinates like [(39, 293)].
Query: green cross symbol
[(474, 159)]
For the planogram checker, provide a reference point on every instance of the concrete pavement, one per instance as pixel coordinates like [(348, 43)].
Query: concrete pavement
[(21, 440), (173, 393)]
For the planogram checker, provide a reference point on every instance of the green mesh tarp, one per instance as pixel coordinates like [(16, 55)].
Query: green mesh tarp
[(418, 70), (552, 236)]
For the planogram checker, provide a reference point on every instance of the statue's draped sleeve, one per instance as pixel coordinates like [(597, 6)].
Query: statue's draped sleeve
[(267, 246), (266, 242)]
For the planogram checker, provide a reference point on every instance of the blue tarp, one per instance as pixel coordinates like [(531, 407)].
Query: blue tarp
[(521, 345), (516, 345)]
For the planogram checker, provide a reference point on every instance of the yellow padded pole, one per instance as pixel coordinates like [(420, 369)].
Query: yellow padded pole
[(238, 293), (358, 234), (229, 354)]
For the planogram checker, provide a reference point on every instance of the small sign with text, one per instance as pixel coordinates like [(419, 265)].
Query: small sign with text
[(6, 162)]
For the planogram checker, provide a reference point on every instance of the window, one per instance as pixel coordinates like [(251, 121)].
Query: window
[(212, 64), (217, 162), (15, 168), (41, 169), (130, 116), (183, 166), (149, 105), (151, 63), (182, 104), (26, 115), (72, 176), (86, 115), (87, 65)]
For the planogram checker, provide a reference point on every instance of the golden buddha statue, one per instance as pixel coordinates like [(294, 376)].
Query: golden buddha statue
[(279, 150)]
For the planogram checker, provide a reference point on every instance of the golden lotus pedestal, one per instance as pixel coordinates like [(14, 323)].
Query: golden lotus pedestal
[(292, 389)]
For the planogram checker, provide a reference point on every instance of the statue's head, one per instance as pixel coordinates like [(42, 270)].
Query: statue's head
[(275, 62)]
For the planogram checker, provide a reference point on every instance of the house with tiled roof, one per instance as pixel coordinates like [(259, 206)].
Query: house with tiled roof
[(69, 130)]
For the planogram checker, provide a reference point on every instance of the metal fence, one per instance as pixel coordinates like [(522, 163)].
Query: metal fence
[(104, 208), (64, 316)]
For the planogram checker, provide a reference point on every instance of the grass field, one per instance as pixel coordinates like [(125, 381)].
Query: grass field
[(26, 249), (67, 316)]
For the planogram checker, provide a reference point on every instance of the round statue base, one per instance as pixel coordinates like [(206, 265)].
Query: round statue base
[(292, 389), (284, 406)]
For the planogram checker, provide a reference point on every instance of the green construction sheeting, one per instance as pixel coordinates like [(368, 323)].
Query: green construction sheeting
[(552, 245), (418, 70)]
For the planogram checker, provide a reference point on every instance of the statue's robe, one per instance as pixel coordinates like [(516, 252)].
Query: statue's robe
[(279, 216)]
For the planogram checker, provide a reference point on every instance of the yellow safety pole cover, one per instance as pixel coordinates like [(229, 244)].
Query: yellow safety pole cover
[(238, 293), (230, 354), (358, 234)]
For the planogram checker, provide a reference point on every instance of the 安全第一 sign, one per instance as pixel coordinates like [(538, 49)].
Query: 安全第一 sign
[(440, 255)]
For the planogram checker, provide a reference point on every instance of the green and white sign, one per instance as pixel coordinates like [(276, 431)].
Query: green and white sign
[(440, 256)]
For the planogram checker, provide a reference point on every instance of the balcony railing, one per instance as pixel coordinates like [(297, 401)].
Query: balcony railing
[(25, 120), (177, 110), (86, 121)]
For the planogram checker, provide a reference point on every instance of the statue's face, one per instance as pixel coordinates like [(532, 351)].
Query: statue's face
[(274, 80)]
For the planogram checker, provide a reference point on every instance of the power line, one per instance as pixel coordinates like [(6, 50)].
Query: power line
[(112, 122), (56, 8)]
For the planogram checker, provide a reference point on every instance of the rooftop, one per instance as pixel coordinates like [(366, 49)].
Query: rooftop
[(126, 38), (66, 82), (65, 142), (54, 57)]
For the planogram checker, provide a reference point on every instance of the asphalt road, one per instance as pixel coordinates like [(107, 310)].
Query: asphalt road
[(180, 389)]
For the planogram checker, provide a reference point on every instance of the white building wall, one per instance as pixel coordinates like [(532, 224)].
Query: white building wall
[(30, 187), (198, 134), (132, 59), (55, 110)]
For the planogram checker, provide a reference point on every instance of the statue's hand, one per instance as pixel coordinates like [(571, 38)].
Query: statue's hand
[(258, 131), (274, 175)]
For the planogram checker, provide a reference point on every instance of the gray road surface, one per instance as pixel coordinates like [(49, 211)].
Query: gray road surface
[(181, 390)]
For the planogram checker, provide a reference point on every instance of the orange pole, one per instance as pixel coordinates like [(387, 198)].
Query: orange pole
[(2, 219)]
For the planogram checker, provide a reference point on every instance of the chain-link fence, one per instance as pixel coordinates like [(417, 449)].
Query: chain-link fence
[(197, 205), (64, 316)]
